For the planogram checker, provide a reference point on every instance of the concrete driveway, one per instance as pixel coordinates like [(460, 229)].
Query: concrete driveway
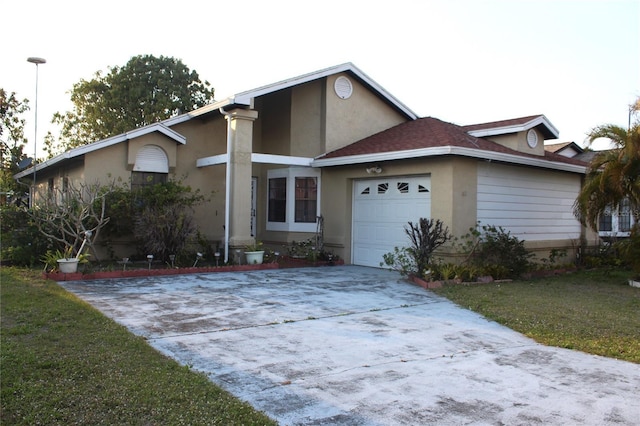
[(358, 346)]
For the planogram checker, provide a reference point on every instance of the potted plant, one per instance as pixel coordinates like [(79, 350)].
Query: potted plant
[(68, 264), (63, 261), (254, 253)]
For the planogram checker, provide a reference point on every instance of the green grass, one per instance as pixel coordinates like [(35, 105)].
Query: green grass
[(591, 311), (62, 362)]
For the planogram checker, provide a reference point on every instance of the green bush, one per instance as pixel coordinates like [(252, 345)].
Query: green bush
[(492, 249), (400, 260), (160, 218), (22, 243), (630, 250)]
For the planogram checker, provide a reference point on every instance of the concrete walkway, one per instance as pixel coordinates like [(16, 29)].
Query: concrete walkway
[(358, 346)]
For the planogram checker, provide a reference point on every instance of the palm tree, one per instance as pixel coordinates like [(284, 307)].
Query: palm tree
[(614, 175)]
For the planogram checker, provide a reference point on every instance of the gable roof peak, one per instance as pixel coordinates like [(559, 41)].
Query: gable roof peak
[(245, 99), (514, 125)]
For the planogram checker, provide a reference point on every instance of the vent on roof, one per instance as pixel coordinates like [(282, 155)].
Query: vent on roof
[(343, 87)]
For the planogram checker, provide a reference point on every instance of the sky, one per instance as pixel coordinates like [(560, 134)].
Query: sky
[(462, 61)]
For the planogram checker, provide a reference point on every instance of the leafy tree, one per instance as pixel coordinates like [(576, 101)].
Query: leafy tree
[(12, 140), (613, 175), (145, 90)]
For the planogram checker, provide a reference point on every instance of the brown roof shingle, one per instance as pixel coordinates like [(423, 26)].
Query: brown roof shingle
[(430, 132)]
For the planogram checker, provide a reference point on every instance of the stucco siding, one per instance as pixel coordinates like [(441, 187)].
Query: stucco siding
[(532, 204), (362, 114)]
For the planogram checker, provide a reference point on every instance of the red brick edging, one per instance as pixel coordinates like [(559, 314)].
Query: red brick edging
[(59, 276)]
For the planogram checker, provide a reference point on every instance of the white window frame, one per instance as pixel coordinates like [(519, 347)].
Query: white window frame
[(615, 224), (291, 174)]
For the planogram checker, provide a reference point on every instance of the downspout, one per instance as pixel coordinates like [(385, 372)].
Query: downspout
[(227, 197)]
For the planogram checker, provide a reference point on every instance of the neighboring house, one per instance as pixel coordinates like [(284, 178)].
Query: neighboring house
[(335, 143), (566, 149)]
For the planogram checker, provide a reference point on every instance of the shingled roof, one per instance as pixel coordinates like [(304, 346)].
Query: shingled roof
[(512, 125), (430, 133)]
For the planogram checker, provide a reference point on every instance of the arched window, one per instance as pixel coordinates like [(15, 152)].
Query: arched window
[(151, 167)]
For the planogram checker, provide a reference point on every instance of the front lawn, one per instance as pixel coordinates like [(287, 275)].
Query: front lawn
[(63, 362), (591, 311)]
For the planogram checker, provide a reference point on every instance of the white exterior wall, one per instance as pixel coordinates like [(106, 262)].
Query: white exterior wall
[(533, 204)]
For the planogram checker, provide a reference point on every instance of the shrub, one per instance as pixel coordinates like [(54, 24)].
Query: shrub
[(493, 249), (160, 217), (22, 242), (630, 250), (400, 260), (425, 237)]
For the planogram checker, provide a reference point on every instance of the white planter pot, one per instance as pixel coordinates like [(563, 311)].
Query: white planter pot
[(254, 257), (68, 266), (634, 283)]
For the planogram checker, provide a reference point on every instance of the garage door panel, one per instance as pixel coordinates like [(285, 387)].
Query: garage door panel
[(381, 210)]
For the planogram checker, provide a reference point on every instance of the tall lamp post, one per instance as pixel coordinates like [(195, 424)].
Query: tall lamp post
[(37, 61)]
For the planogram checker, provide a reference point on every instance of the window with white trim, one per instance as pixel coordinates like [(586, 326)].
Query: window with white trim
[(151, 167), (293, 199), (616, 222)]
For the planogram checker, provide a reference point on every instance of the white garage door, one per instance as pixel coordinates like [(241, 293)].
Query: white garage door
[(381, 209)]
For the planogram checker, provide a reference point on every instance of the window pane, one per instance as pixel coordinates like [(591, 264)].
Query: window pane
[(142, 179), (624, 216), (277, 200), (605, 223), (306, 199)]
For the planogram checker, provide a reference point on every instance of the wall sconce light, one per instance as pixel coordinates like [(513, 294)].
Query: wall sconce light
[(375, 169)]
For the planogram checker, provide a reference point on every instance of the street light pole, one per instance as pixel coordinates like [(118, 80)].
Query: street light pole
[(37, 61)]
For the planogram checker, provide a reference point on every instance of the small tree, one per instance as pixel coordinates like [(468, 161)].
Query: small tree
[(425, 237), (71, 214)]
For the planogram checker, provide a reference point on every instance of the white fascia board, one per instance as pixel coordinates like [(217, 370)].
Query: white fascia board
[(257, 158), (76, 152), (244, 98), (448, 150), (64, 156), (494, 131), (381, 156), (169, 122), (104, 143), (156, 127), (281, 159), (212, 161)]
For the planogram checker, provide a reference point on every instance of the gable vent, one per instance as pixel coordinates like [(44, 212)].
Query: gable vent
[(343, 87), (151, 158)]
